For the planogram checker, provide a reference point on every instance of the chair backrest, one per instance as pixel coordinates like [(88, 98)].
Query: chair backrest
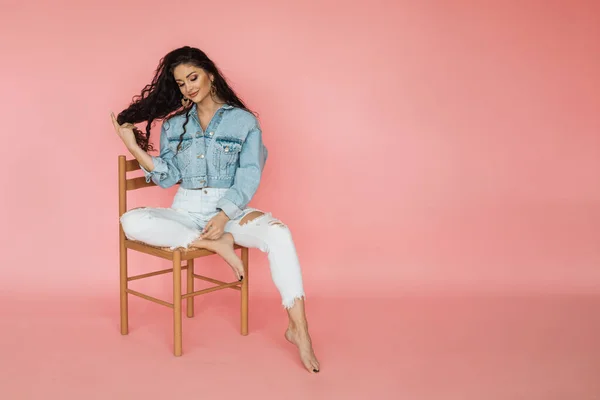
[(125, 184)]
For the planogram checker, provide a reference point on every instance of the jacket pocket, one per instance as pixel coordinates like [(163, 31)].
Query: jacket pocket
[(226, 153)]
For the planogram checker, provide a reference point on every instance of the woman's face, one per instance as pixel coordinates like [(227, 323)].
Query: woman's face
[(194, 83)]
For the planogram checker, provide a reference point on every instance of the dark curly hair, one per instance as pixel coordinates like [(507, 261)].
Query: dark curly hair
[(161, 99)]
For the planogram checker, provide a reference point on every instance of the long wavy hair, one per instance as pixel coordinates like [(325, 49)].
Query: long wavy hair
[(161, 99)]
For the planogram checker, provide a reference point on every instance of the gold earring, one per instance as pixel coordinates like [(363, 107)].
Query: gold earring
[(185, 102), (213, 89)]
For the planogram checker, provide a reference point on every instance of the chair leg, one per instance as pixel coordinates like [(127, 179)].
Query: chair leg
[(177, 303), (123, 285), (190, 288), (245, 293)]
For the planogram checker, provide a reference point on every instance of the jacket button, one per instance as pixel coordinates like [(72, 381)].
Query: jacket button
[(226, 149), (201, 156), (211, 133)]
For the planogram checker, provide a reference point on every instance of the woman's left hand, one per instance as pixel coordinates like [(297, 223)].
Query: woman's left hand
[(215, 227)]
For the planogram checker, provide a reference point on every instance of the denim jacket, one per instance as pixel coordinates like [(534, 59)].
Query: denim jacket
[(229, 154)]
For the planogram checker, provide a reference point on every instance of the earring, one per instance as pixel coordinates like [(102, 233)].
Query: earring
[(213, 89), (185, 102)]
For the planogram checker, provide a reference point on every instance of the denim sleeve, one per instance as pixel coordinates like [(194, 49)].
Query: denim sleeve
[(247, 177), (165, 174)]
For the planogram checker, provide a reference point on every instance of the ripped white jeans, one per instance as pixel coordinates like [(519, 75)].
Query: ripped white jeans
[(191, 210)]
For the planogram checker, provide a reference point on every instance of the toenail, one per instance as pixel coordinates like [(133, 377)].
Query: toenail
[(315, 370)]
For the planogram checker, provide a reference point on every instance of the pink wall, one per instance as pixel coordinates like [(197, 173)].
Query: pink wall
[(413, 144)]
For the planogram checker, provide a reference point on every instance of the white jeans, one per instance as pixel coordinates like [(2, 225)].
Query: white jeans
[(191, 210)]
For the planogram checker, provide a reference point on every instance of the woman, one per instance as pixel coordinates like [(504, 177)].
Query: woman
[(212, 145)]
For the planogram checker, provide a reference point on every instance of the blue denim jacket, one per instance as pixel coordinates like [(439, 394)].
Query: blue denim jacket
[(229, 154)]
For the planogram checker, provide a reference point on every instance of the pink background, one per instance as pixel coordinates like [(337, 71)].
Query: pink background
[(414, 145)]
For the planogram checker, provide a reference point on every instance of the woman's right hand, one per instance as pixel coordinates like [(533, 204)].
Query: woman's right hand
[(125, 132)]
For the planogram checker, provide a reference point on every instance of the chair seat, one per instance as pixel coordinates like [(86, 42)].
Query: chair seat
[(167, 253)]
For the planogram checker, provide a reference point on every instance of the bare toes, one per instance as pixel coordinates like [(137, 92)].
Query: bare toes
[(307, 356), (315, 364)]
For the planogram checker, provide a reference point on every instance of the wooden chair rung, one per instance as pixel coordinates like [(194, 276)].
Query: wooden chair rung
[(212, 289), (150, 298), (211, 280), (138, 183), (149, 274), (132, 165)]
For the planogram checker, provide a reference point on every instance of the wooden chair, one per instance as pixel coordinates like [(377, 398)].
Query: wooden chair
[(176, 257)]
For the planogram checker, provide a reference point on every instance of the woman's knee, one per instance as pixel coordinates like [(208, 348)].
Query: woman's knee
[(278, 233), (134, 221), (260, 230)]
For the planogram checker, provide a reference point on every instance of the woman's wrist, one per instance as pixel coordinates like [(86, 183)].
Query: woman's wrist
[(223, 215)]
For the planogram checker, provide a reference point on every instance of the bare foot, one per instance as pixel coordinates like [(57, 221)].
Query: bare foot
[(301, 339), (224, 248)]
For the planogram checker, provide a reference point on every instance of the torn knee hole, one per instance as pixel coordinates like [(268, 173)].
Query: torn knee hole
[(251, 217)]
